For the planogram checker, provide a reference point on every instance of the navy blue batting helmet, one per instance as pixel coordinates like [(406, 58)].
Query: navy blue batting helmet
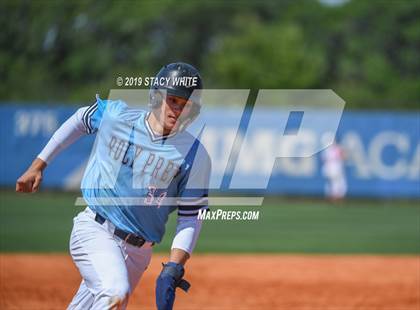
[(178, 79)]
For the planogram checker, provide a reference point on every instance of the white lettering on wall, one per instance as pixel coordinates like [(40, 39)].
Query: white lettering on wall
[(34, 123)]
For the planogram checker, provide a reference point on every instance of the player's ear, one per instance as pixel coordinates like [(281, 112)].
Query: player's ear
[(155, 98)]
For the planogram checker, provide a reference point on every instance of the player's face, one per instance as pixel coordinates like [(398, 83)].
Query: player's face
[(174, 108)]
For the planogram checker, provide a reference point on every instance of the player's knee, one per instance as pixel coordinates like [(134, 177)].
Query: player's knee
[(117, 296), (118, 302), (120, 293)]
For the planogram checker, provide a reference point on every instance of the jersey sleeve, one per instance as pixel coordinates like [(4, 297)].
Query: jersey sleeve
[(194, 187), (187, 232), (94, 114), (70, 131)]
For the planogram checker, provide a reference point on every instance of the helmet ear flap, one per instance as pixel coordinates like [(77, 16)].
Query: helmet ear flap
[(155, 98), (195, 111)]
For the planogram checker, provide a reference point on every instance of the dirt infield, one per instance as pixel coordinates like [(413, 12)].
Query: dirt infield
[(233, 282)]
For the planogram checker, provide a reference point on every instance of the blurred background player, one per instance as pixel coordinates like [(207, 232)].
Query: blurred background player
[(333, 158)]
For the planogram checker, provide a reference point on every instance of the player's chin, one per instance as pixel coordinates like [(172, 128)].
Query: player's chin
[(171, 125)]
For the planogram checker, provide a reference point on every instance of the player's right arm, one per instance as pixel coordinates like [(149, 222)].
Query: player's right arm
[(76, 126), (29, 181)]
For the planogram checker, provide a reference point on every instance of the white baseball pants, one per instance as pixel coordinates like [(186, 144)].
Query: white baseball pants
[(110, 267)]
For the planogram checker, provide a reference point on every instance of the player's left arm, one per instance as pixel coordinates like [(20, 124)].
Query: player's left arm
[(187, 231), (179, 256), (193, 198)]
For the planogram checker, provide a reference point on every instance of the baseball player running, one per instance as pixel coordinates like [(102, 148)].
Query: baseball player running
[(140, 160)]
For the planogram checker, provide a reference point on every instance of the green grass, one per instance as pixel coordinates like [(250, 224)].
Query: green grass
[(42, 223)]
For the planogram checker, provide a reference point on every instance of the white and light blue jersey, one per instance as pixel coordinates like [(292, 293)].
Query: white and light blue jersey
[(136, 179)]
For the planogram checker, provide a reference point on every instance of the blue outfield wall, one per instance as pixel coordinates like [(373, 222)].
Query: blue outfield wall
[(382, 148)]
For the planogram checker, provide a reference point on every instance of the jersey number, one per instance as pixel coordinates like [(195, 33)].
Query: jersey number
[(150, 198)]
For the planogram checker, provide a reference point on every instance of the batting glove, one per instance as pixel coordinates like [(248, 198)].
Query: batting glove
[(169, 279)]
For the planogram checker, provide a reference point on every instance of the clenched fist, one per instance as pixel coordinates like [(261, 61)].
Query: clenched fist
[(30, 181)]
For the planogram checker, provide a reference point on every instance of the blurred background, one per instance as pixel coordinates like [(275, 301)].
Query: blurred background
[(66, 51), (55, 56)]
